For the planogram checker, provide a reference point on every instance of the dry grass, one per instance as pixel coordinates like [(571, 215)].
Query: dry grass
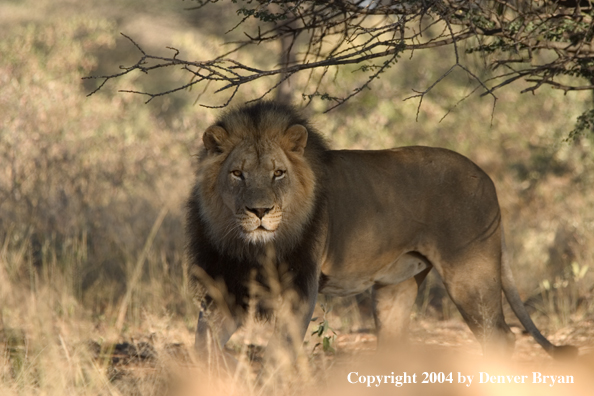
[(92, 270)]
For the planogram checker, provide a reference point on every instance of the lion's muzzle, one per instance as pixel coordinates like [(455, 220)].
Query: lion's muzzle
[(259, 224)]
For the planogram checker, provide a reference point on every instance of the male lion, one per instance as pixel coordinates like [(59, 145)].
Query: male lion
[(274, 209)]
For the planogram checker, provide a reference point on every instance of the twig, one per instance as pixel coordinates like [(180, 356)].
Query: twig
[(341, 33)]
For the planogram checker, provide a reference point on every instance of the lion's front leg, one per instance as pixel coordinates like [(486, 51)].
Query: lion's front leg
[(215, 327), (291, 322)]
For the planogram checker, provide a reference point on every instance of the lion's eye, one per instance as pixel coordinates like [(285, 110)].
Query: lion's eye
[(237, 173), (279, 173)]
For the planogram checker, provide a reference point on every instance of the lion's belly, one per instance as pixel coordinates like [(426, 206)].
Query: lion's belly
[(399, 270)]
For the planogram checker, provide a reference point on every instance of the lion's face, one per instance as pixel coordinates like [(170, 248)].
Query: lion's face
[(256, 187), (256, 190)]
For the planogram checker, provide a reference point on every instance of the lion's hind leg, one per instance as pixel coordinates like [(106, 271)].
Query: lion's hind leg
[(474, 285)]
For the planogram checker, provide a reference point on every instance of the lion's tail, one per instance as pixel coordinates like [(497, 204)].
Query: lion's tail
[(513, 297)]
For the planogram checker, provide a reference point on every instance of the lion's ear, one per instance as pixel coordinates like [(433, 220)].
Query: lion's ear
[(295, 138), (214, 139)]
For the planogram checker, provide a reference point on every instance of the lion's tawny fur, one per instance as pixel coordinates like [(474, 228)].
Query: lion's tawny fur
[(270, 197)]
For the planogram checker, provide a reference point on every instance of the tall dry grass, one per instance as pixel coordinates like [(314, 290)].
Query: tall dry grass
[(92, 193)]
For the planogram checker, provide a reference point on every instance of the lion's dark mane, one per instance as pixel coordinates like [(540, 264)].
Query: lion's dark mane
[(299, 261)]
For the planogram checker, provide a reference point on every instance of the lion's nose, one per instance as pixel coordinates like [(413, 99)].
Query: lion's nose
[(260, 212)]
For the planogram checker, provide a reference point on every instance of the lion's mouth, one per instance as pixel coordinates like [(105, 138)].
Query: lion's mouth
[(256, 229), (261, 229), (259, 235)]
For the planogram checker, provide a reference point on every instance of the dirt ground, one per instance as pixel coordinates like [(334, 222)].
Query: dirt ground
[(455, 335), (439, 346)]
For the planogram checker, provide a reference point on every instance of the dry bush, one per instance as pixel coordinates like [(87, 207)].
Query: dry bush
[(77, 171)]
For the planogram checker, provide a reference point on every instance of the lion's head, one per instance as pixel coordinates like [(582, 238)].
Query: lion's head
[(257, 177)]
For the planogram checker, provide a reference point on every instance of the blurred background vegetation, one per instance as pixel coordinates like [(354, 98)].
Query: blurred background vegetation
[(84, 180)]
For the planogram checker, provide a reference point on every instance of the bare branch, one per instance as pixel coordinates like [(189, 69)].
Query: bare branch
[(373, 34)]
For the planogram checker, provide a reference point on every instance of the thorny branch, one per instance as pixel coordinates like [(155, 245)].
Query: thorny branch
[(544, 42)]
